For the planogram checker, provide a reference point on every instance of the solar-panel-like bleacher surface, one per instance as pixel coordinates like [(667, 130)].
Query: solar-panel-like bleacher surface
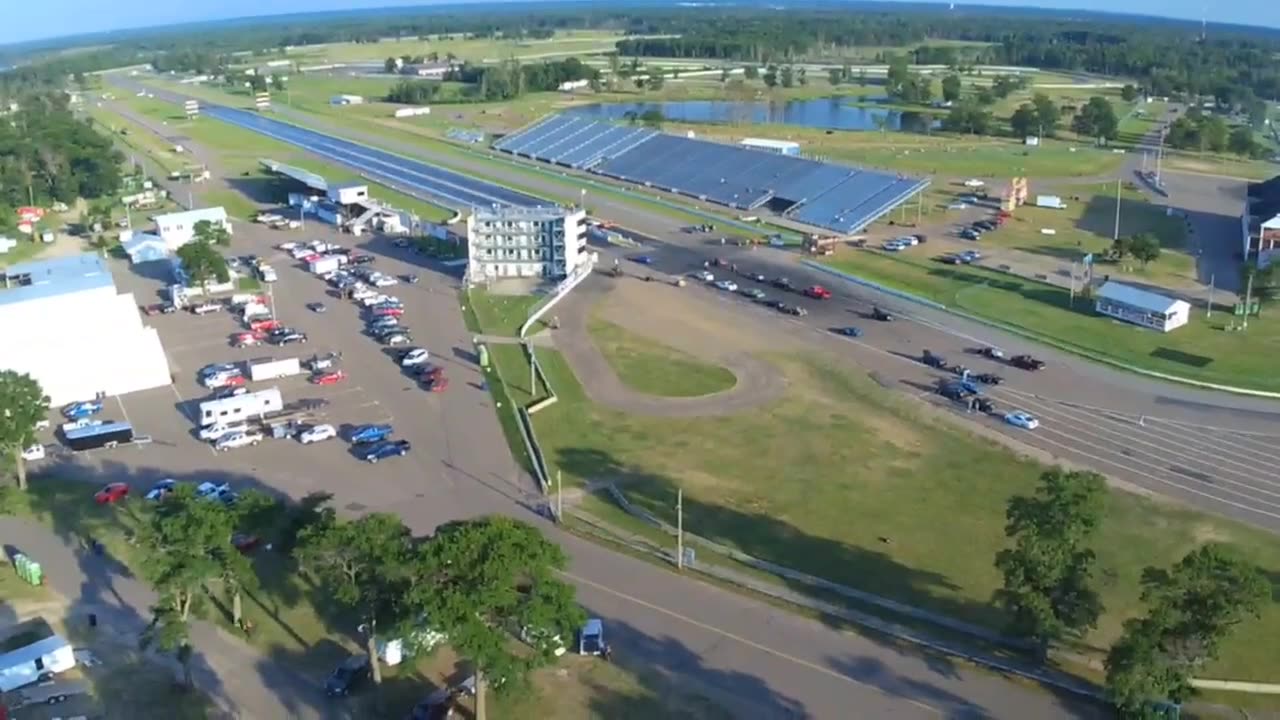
[(837, 197)]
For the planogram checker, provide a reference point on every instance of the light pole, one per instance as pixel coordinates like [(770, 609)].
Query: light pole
[(1115, 234), (1208, 312), (680, 528)]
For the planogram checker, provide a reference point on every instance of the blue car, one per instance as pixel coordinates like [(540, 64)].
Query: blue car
[(366, 434), (383, 450), (80, 410), (643, 259), (850, 331)]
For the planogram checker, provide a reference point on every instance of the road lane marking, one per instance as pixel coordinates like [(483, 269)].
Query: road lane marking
[(749, 643)]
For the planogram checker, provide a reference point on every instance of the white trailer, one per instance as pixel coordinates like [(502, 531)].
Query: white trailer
[(270, 369), (326, 264), (241, 407), (267, 273)]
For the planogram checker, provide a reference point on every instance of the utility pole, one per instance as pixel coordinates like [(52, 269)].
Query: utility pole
[(1159, 157), (1115, 235), (533, 377), (1072, 302), (919, 207), (1208, 312), (1248, 296), (271, 293), (302, 219), (680, 528), (559, 498)]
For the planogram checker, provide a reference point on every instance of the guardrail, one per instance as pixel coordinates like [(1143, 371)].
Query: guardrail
[(1036, 337), (579, 274)]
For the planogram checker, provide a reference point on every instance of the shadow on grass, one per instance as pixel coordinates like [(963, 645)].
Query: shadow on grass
[(768, 538)]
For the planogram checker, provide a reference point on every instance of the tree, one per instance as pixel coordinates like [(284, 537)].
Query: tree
[(1192, 608), (1097, 119), (485, 578), (615, 64), (277, 82), (802, 76), (770, 76), (967, 117), (390, 65), (23, 404), (656, 82), (787, 76), (186, 546), (203, 263), (1024, 122), (1047, 572), (750, 72), (985, 96), (1129, 93), (1047, 115), (951, 88), (1144, 247), (652, 117), (211, 233), (169, 631), (365, 564), (1241, 141), (835, 76)]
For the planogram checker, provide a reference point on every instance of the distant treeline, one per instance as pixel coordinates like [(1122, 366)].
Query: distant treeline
[(503, 81)]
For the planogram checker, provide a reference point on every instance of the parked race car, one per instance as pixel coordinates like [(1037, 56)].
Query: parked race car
[(248, 339), (328, 378)]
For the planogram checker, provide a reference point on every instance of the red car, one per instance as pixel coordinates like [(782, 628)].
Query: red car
[(248, 339), (388, 312), (266, 325), (431, 372), (329, 378), (311, 258), (438, 383), (245, 542), (111, 493), (233, 381), (818, 292)]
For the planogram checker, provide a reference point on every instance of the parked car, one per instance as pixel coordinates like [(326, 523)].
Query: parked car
[(384, 281), (727, 285), (385, 321), (111, 493), (215, 491), (396, 338), (435, 383), (348, 676), (795, 310), (782, 283), (892, 246), (34, 453), (78, 410), (994, 353), (387, 311), (1021, 419), (213, 432), (289, 337), (265, 325), (332, 377), (316, 307), (206, 308), (933, 361), (248, 339), (230, 391), (817, 292), (988, 378), (642, 259), (317, 433), (753, 293), (414, 356), (161, 489), (387, 449), (362, 259), (849, 331), (232, 441), (430, 371), (704, 276), (365, 434), (880, 315), (591, 638)]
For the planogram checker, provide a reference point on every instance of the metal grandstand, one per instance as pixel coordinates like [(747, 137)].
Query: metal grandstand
[(836, 197)]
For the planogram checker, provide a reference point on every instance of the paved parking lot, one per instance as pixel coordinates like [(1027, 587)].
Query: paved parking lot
[(469, 446)]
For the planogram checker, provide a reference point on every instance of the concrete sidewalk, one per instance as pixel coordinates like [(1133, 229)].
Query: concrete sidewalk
[(236, 675)]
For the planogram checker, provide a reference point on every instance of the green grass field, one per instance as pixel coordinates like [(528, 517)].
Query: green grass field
[(655, 369), (576, 42), (816, 480), (1201, 350)]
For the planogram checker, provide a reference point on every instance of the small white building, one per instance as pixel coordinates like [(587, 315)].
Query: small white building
[(177, 229), (1141, 307), (411, 112), (512, 242), (782, 147), (346, 100), (349, 194), (1050, 201)]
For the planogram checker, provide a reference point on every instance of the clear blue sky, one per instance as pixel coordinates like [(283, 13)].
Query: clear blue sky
[(33, 19)]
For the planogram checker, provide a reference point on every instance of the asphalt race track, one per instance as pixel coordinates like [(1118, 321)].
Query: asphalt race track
[(452, 188)]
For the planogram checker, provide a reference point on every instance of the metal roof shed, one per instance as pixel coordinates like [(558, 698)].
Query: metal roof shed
[(1142, 307)]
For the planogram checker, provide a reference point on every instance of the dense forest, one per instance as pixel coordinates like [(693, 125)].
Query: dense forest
[(47, 154)]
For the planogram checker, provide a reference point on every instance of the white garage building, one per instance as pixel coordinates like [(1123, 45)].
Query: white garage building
[(1141, 307), (177, 229), (68, 327)]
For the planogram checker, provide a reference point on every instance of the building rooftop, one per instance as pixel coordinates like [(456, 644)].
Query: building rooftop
[(306, 177), (1142, 299), (209, 212), (49, 278), (504, 213)]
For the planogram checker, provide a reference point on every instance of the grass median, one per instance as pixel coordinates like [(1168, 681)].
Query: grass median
[(653, 368), (850, 482), (1203, 350)]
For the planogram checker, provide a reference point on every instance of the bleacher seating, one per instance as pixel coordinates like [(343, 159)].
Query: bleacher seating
[(836, 197)]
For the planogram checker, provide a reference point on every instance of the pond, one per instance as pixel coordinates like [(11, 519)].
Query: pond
[(833, 113)]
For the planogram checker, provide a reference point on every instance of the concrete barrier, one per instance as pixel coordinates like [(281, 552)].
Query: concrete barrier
[(1255, 688), (559, 293), (1042, 339)]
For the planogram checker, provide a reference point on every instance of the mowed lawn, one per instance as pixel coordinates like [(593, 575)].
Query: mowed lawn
[(1201, 350), (1087, 225), (845, 480), (656, 369)]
